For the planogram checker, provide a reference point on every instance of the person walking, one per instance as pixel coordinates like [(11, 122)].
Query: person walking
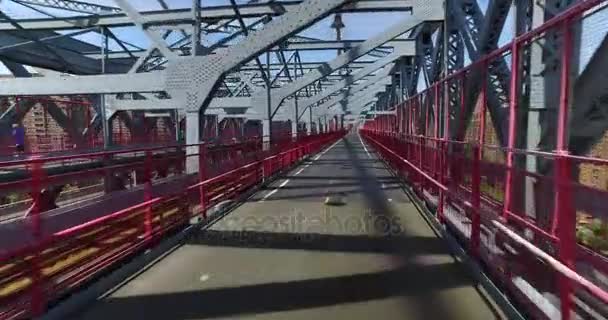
[(19, 138)]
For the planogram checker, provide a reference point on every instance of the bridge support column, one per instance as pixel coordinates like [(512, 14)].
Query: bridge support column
[(309, 121), (266, 123), (192, 137), (294, 128), (294, 118)]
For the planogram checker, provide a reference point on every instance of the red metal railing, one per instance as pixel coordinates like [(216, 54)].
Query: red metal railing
[(53, 263), (520, 210), (44, 134)]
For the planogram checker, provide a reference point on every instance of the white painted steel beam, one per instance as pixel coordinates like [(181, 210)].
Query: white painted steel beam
[(66, 85), (184, 16), (193, 79), (353, 78), (342, 60), (347, 96)]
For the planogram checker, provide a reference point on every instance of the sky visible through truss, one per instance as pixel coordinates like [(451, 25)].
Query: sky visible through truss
[(358, 26)]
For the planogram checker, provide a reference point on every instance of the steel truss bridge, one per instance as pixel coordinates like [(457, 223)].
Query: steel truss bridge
[(453, 165)]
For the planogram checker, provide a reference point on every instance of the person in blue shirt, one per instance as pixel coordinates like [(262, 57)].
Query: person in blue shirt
[(19, 137)]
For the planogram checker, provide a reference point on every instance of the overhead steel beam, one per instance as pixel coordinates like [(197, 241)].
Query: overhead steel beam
[(342, 60), (13, 116), (288, 45), (72, 5), (347, 97), (193, 79), (169, 104), (140, 22), (399, 52), (356, 107), (66, 85), (381, 79), (19, 48), (177, 16)]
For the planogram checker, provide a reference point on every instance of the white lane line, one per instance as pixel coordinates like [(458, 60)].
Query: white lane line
[(364, 147), (268, 195), (322, 153), (275, 190), (297, 173)]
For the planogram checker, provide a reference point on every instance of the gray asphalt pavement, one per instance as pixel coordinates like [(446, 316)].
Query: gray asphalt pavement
[(335, 238)]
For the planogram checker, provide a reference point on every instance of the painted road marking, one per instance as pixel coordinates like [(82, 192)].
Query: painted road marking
[(364, 147), (297, 173), (321, 154), (275, 190)]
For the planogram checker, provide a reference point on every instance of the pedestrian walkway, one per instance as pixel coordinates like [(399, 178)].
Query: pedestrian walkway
[(335, 238)]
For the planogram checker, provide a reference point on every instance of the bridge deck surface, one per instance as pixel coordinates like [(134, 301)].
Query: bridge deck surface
[(372, 257)]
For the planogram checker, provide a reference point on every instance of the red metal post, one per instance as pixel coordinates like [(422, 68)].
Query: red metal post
[(564, 223), (476, 176), (420, 143), (148, 194), (475, 201), (426, 132), (37, 287), (436, 144), (444, 150), (484, 102), (202, 175), (514, 97), (462, 128)]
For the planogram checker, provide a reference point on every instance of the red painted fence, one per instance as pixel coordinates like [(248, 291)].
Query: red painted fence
[(53, 264), (519, 210)]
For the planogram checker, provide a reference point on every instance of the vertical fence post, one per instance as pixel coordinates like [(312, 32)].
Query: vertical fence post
[(443, 160), (202, 175), (476, 177), (564, 216), (37, 303), (436, 144), (148, 194), (476, 201), (514, 97), (484, 102)]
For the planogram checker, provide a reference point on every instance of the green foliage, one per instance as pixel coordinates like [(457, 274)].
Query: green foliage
[(593, 234)]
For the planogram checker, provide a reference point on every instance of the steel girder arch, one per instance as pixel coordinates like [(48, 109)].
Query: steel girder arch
[(422, 11), (12, 115), (421, 63), (453, 58), (480, 35), (192, 80), (544, 91), (382, 67), (426, 54), (589, 116)]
